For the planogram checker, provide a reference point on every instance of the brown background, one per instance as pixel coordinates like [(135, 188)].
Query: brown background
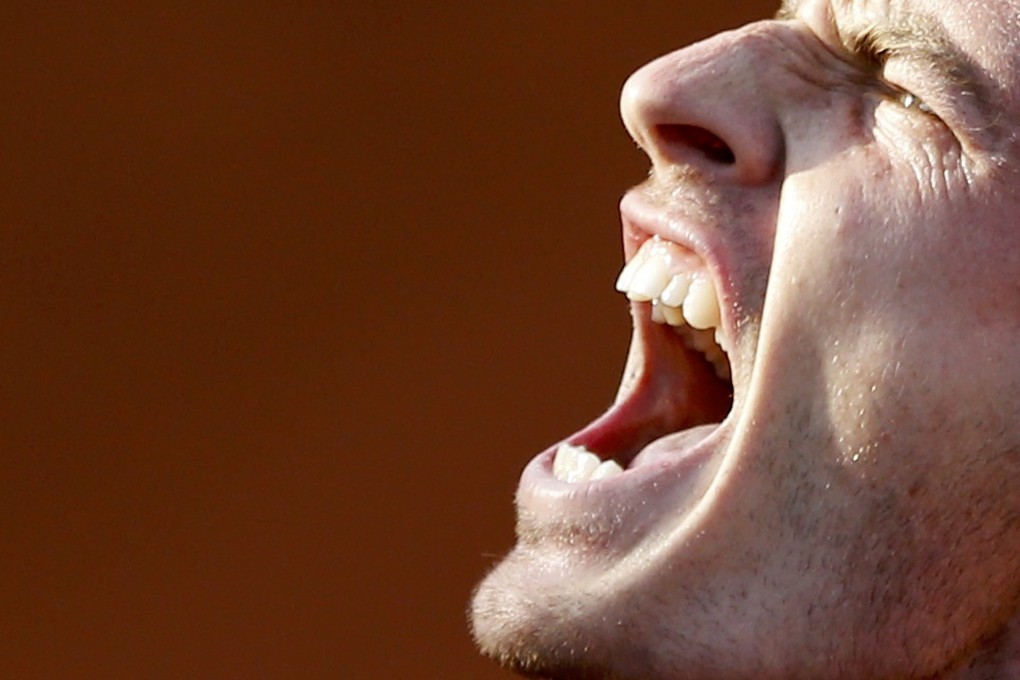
[(289, 295)]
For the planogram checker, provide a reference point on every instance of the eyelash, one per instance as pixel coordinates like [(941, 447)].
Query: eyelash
[(876, 59)]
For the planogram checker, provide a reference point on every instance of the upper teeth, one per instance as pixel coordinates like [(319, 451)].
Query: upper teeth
[(578, 464), (674, 280)]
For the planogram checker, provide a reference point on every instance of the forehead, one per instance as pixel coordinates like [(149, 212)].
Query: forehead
[(984, 8), (987, 28)]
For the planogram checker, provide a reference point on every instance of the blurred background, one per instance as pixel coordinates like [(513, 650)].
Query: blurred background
[(289, 293)]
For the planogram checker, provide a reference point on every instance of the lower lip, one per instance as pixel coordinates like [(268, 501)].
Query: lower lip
[(670, 470)]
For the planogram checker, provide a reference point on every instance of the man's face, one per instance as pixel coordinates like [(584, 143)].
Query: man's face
[(842, 182)]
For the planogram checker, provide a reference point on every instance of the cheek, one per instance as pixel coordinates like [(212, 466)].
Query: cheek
[(863, 244), (903, 306)]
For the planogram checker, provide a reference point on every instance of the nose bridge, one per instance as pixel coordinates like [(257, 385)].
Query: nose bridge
[(712, 105)]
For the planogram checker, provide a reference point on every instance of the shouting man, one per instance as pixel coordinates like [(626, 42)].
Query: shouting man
[(812, 467)]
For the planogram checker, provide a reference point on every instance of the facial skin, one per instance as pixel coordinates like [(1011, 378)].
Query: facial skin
[(857, 512)]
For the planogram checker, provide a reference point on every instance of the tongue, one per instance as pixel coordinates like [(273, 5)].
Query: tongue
[(667, 387)]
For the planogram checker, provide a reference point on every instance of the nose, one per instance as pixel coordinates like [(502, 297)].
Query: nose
[(712, 106)]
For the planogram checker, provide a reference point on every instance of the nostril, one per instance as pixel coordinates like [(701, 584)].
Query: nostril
[(699, 139)]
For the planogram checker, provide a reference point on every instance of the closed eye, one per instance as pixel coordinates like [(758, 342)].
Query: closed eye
[(911, 101), (867, 50)]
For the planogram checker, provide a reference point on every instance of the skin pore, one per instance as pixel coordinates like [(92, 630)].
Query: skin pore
[(846, 174)]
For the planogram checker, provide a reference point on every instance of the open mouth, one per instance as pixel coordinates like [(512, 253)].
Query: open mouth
[(677, 388)]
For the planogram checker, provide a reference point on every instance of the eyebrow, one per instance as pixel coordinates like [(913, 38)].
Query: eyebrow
[(922, 39)]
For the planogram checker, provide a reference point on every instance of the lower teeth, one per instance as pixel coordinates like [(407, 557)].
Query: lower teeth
[(577, 464)]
